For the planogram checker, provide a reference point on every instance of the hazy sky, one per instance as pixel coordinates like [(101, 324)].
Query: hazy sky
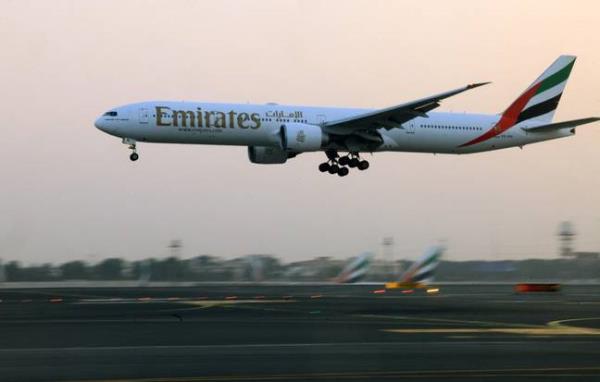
[(69, 191)]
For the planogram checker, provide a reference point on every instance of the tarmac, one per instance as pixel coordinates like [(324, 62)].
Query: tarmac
[(299, 333)]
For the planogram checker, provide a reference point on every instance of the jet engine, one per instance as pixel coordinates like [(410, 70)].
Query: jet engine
[(299, 137), (267, 155)]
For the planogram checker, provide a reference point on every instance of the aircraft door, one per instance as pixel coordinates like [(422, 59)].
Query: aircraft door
[(144, 115)]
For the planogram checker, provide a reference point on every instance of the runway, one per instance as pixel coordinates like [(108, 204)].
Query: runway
[(281, 333)]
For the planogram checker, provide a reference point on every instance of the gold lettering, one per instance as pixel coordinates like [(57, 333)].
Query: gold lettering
[(207, 118), (242, 117), (220, 119), (184, 114), (231, 119), (159, 112), (256, 119)]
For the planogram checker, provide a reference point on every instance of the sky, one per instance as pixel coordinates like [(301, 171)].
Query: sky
[(69, 191)]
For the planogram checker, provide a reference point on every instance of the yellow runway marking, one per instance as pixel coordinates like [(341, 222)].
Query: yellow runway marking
[(211, 303), (448, 321), (553, 328), (561, 322), (544, 331), (206, 304)]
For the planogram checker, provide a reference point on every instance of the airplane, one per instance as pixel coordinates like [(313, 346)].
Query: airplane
[(275, 133), (356, 270), (421, 272)]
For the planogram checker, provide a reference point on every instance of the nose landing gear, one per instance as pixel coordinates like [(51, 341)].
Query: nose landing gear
[(134, 155), (339, 165)]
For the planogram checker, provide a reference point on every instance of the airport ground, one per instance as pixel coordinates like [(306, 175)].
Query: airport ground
[(299, 333)]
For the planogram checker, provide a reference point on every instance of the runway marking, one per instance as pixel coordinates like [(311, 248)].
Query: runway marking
[(446, 320), (418, 374), (560, 323), (552, 328), (211, 303), (192, 301), (545, 331)]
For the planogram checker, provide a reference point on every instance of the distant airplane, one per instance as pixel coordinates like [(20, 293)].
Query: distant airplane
[(356, 270), (421, 272), (275, 133)]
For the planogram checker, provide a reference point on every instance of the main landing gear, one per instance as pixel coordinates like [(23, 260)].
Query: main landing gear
[(339, 165), (134, 155)]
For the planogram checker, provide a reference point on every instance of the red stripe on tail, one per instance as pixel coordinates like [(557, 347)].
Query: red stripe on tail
[(509, 117)]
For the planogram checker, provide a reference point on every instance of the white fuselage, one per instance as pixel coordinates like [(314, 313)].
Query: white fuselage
[(259, 125)]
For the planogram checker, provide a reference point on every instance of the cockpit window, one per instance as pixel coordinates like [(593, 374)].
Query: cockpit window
[(110, 114)]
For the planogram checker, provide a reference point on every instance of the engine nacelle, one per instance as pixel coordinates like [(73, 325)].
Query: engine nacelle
[(267, 155), (299, 137)]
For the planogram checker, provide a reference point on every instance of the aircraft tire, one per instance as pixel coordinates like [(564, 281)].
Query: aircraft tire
[(134, 156), (363, 165)]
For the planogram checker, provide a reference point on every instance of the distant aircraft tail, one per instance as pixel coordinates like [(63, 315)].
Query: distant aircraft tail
[(2, 273), (356, 270), (421, 272), (145, 272), (540, 99), (256, 268)]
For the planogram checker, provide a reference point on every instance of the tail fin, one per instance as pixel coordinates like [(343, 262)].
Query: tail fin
[(422, 270), (145, 273), (540, 99), (537, 103), (356, 270), (255, 268)]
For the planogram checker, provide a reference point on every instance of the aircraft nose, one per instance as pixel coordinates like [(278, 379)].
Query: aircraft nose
[(103, 125), (100, 125)]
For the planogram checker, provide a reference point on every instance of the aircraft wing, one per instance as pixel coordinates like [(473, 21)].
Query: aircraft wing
[(560, 125), (392, 117)]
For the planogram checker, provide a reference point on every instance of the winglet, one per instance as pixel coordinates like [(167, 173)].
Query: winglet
[(478, 84)]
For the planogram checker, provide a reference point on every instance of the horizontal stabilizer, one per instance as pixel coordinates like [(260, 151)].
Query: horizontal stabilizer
[(560, 125)]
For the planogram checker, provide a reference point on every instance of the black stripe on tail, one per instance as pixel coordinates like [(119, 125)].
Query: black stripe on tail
[(539, 109)]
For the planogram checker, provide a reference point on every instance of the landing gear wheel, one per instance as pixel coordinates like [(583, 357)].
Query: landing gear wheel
[(353, 162), (343, 171), (333, 169), (131, 143), (344, 160), (323, 167), (363, 165)]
